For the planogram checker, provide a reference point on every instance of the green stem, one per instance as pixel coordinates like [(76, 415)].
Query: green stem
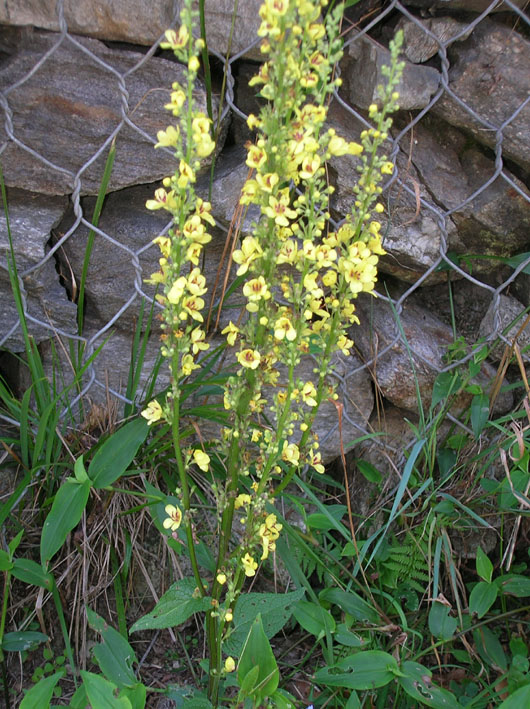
[(7, 578), (62, 622)]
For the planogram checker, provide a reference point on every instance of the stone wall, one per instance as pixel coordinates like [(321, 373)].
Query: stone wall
[(80, 77)]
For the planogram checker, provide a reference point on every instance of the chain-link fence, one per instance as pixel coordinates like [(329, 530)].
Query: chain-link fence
[(490, 126)]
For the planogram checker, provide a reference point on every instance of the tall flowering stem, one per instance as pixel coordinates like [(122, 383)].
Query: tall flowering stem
[(300, 283)]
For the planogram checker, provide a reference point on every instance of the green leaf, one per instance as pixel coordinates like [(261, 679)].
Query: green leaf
[(370, 472), (67, 509), (22, 640), (257, 652), (416, 681), (275, 610), (102, 694), (79, 471), (5, 561), (484, 565), (518, 700), (313, 618), (514, 584), (441, 624), (343, 636), (365, 670), (175, 607), (480, 411), (328, 520), (490, 648), (115, 455), (39, 696), (114, 655), (350, 602), (136, 695), (188, 698), (482, 597), (29, 571)]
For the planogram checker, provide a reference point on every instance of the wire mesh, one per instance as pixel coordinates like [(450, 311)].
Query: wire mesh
[(399, 182)]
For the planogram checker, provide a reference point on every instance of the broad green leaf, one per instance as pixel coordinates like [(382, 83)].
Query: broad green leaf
[(370, 472), (175, 607), (489, 648), (79, 471), (115, 455), (519, 699), (313, 618), (327, 520), (480, 411), (188, 698), (343, 636), (5, 561), (22, 640), (136, 695), (416, 681), (257, 652), (114, 655), (67, 509), (275, 610), (30, 572), (39, 696), (80, 699), (365, 670), (482, 597), (514, 584), (441, 624), (445, 384), (484, 565), (350, 602), (102, 694)]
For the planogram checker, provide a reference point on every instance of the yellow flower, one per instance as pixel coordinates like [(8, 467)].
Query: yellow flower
[(231, 332), (176, 291), (221, 578), (162, 200), (229, 616), (192, 306), (279, 210), (230, 664), (344, 343), (268, 181), (196, 282), (256, 157), (164, 244), (194, 230), (193, 64), (283, 328), (201, 459), (188, 365), (177, 100), (193, 253), (249, 358), (153, 412), (242, 500), (269, 533), (315, 461), (174, 518), (203, 209), (255, 290), (168, 137), (309, 393), (197, 337), (174, 40), (288, 252), (310, 166), (387, 168), (186, 174), (291, 453), (250, 251), (249, 565)]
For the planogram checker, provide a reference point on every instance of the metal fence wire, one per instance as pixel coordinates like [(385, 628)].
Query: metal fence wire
[(367, 22)]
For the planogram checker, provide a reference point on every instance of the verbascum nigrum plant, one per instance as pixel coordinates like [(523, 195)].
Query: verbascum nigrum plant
[(301, 279)]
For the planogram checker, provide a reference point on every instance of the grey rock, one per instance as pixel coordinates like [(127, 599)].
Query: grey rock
[(506, 317), (32, 217), (125, 256), (467, 5), (489, 74), (137, 22), (80, 103), (361, 69), (418, 44), (421, 358), (496, 221)]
